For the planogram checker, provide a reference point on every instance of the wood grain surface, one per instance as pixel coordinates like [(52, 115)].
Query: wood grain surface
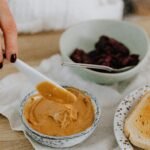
[(34, 48)]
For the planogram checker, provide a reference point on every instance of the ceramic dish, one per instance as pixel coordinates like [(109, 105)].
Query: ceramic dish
[(62, 141), (85, 35), (121, 114)]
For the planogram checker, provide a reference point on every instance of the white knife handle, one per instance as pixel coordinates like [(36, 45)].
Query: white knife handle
[(34, 75)]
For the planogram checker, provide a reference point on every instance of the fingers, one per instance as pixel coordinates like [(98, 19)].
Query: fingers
[(9, 30), (10, 39), (1, 54), (1, 51)]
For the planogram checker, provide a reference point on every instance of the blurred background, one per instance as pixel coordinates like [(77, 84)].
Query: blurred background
[(41, 23), (137, 7)]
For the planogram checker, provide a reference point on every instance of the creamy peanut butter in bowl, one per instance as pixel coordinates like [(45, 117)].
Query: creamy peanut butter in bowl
[(56, 121)]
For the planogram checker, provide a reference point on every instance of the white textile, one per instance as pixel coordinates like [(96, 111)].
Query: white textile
[(14, 87), (40, 15)]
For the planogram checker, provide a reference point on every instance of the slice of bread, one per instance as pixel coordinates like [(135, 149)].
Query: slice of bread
[(137, 124)]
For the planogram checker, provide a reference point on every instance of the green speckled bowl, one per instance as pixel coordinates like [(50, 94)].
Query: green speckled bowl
[(85, 35)]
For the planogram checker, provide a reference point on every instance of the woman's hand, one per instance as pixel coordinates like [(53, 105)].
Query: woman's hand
[(8, 27)]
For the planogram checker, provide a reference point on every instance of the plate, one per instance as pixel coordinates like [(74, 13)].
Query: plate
[(121, 114)]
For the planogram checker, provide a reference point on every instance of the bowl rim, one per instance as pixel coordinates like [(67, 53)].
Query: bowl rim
[(130, 24), (97, 110), (128, 102)]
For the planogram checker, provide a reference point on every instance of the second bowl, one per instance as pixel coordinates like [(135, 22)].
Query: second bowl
[(85, 35)]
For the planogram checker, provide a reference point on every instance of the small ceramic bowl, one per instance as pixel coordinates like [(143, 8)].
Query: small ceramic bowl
[(61, 141), (121, 114), (86, 34)]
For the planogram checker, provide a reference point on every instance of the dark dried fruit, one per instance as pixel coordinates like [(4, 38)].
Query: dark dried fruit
[(94, 55), (102, 43), (86, 59), (108, 52), (130, 60), (77, 55)]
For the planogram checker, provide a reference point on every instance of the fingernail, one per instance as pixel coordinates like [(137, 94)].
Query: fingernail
[(4, 55), (1, 65), (13, 58)]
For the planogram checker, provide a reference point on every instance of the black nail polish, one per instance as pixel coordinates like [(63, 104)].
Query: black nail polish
[(4, 55), (13, 58), (1, 65)]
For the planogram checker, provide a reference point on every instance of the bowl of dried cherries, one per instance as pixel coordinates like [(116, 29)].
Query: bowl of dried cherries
[(116, 44)]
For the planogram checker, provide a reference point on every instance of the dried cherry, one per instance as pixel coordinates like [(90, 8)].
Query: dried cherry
[(109, 52)]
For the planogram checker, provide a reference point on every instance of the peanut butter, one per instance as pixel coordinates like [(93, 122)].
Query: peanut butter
[(49, 116), (48, 90)]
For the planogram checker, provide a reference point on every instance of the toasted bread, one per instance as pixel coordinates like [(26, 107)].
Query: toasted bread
[(137, 124)]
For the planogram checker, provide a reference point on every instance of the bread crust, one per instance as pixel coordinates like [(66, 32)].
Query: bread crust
[(137, 123)]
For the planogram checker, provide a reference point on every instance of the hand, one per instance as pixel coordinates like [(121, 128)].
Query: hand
[(9, 30)]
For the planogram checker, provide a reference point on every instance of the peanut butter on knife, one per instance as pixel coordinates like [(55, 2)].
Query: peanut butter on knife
[(48, 90)]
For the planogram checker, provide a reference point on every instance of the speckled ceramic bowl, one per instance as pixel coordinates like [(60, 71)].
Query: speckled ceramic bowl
[(121, 114), (61, 141)]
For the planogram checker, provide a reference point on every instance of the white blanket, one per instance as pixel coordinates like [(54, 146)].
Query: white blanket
[(14, 87), (38, 15)]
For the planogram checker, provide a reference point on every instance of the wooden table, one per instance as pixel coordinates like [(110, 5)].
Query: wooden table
[(33, 49)]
